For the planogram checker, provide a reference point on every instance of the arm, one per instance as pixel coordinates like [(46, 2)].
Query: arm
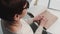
[(29, 21), (39, 30)]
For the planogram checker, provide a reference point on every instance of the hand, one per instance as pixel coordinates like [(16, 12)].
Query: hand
[(37, 19), (43, 21)]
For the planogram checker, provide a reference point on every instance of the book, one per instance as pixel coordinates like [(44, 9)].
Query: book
[(50, 17)]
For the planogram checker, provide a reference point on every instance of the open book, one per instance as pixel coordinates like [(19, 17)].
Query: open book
[(50, 17)]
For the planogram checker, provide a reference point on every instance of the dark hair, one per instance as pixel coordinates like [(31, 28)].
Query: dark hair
[(8, 8)]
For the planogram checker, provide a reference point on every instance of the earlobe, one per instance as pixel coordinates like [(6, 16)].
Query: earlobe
[(16, 17)]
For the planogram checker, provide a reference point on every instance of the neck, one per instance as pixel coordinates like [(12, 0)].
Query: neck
[(15, 23), (16, 26)]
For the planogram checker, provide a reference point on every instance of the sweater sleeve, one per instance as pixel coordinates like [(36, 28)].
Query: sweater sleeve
[(29, 21), (39, 30)]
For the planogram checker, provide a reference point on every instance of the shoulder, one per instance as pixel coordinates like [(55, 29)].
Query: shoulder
[(26, 27)]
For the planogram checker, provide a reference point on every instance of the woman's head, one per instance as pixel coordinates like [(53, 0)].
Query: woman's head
[(13, 9)]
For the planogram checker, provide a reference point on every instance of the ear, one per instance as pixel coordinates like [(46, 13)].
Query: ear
[(16, 17)]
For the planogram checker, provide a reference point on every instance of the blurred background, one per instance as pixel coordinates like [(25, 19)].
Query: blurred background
[(36, 7)]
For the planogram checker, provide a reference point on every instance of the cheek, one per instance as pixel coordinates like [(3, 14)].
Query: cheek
[(24, 12)]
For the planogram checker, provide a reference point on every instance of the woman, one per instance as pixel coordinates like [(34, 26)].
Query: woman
[(11, 14)]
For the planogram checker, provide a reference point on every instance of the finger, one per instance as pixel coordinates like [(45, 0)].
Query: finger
[(44, 19)]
